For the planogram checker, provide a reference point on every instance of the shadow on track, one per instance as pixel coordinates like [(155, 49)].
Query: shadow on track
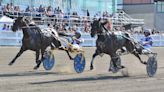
[(95, 78), (30, 73)]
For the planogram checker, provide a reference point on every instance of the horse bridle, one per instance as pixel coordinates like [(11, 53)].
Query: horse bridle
[(27, 24), (104, 31)]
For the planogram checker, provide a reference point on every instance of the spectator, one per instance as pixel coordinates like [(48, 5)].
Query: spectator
[(74, 13), (49, 12), (58, 10), (88, 13), (11, 7), (28, 9), (60, 15), (60, 28), (17, 9), (50, 26), (55, 11), (44, 9), (41, 9), (8, 28), (86, 26), (4, 27), (34, 9), (8, 8)]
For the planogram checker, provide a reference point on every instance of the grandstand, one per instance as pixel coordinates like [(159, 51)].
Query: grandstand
[(68, 5), (66, 12), (61, 9)]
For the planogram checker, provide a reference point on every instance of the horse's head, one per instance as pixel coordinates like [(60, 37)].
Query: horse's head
[(20, 22), (95, 27)]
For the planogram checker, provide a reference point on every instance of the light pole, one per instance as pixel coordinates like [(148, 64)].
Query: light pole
[(155, 8)]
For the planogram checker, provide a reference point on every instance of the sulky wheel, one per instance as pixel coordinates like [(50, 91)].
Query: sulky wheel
[(79, 63), (49, 60), (151, 66)]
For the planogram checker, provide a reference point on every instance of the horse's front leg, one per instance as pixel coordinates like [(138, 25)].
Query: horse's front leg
[(18, 54), (130, 47), (93, 57), (115, 63), (70, 57), (37, 59)]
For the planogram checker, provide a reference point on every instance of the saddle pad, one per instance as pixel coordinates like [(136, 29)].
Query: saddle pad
[(118, 33), (50, 32), (46, 33)]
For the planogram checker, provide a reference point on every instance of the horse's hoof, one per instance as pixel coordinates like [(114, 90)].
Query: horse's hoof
[(145, 63), (36, 67), (114, 69), (122, 67), (38, 61), (91, 67), (10, 63), (110, 70), (71, 58)]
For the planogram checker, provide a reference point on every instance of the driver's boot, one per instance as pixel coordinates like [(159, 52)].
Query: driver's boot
[(52, 46)]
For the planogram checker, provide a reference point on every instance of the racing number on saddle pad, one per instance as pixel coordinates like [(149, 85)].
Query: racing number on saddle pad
[(79, 63), (49, 61)]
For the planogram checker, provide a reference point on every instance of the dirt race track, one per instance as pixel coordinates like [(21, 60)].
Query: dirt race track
[(20, 77)]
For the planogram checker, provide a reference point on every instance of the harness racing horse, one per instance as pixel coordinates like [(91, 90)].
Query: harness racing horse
[(33, 39), (109, 43)]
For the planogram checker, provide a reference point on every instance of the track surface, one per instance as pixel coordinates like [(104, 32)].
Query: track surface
[(20, 77)]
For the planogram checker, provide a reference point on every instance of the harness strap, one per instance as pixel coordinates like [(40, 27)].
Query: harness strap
[(29, 26)]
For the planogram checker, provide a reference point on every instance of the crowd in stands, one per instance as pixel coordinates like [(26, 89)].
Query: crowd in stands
[(153, 32), (6, 27), (56, 15), (59, 18), (10, 9)]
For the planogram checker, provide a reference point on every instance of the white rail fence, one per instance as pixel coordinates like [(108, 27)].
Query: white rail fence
[(118, 19), (8, 38)]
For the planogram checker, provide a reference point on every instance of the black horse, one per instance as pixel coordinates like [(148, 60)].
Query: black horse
[(33, 39), (109, 43)]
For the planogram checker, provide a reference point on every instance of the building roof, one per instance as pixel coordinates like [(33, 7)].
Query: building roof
[(158, 0)]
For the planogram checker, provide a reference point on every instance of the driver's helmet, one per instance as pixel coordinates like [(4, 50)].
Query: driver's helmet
[(78, 34), (147, 31)]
